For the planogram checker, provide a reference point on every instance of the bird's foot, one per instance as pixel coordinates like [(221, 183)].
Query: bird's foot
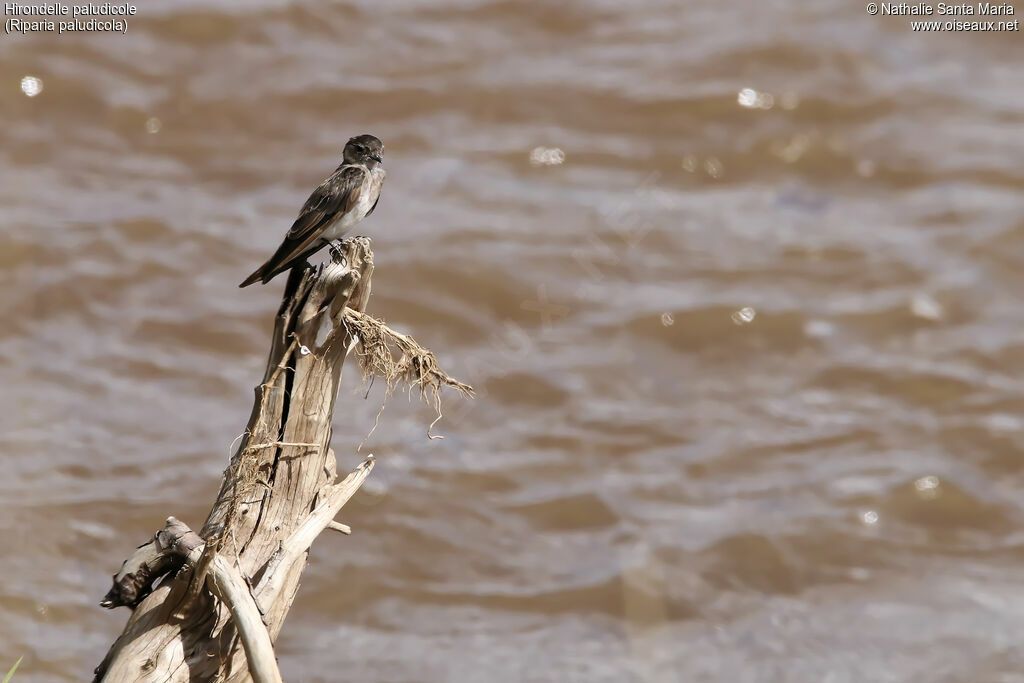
[(337, 251)]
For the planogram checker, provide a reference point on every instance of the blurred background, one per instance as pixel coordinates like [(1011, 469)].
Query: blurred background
[(738, 285)]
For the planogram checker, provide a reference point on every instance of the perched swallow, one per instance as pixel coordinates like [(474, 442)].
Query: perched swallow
[(348, 196)]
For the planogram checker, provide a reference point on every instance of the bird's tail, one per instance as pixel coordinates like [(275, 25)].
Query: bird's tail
[(257, 276)]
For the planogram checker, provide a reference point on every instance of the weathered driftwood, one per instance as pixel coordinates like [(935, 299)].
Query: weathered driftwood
[(225, 591)]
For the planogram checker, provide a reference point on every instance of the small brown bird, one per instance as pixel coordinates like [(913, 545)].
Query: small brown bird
[(348, 196)]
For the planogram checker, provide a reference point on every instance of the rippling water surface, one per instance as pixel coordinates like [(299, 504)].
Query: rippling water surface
[(739, 286)]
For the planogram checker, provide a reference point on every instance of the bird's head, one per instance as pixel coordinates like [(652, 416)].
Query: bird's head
[(364, 149)]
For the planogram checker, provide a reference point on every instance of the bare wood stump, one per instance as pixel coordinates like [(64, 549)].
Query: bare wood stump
[(226, 591)]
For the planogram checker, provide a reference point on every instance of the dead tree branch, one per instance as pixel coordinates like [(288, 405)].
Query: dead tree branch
[(209, 606)]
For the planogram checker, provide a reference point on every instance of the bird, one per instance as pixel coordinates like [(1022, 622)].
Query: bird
[(344, 198)]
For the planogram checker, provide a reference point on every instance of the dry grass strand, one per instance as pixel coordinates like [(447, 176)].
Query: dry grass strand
[(399, 359)]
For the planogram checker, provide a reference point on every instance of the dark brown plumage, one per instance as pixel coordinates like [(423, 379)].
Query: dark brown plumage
[(342, 200)]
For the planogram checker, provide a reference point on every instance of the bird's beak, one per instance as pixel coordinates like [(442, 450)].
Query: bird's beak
[(377, 158)]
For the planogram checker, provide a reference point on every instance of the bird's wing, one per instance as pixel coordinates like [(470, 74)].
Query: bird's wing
[(335, 196)]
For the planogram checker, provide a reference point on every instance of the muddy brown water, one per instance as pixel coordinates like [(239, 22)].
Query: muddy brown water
[(739, 286)]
